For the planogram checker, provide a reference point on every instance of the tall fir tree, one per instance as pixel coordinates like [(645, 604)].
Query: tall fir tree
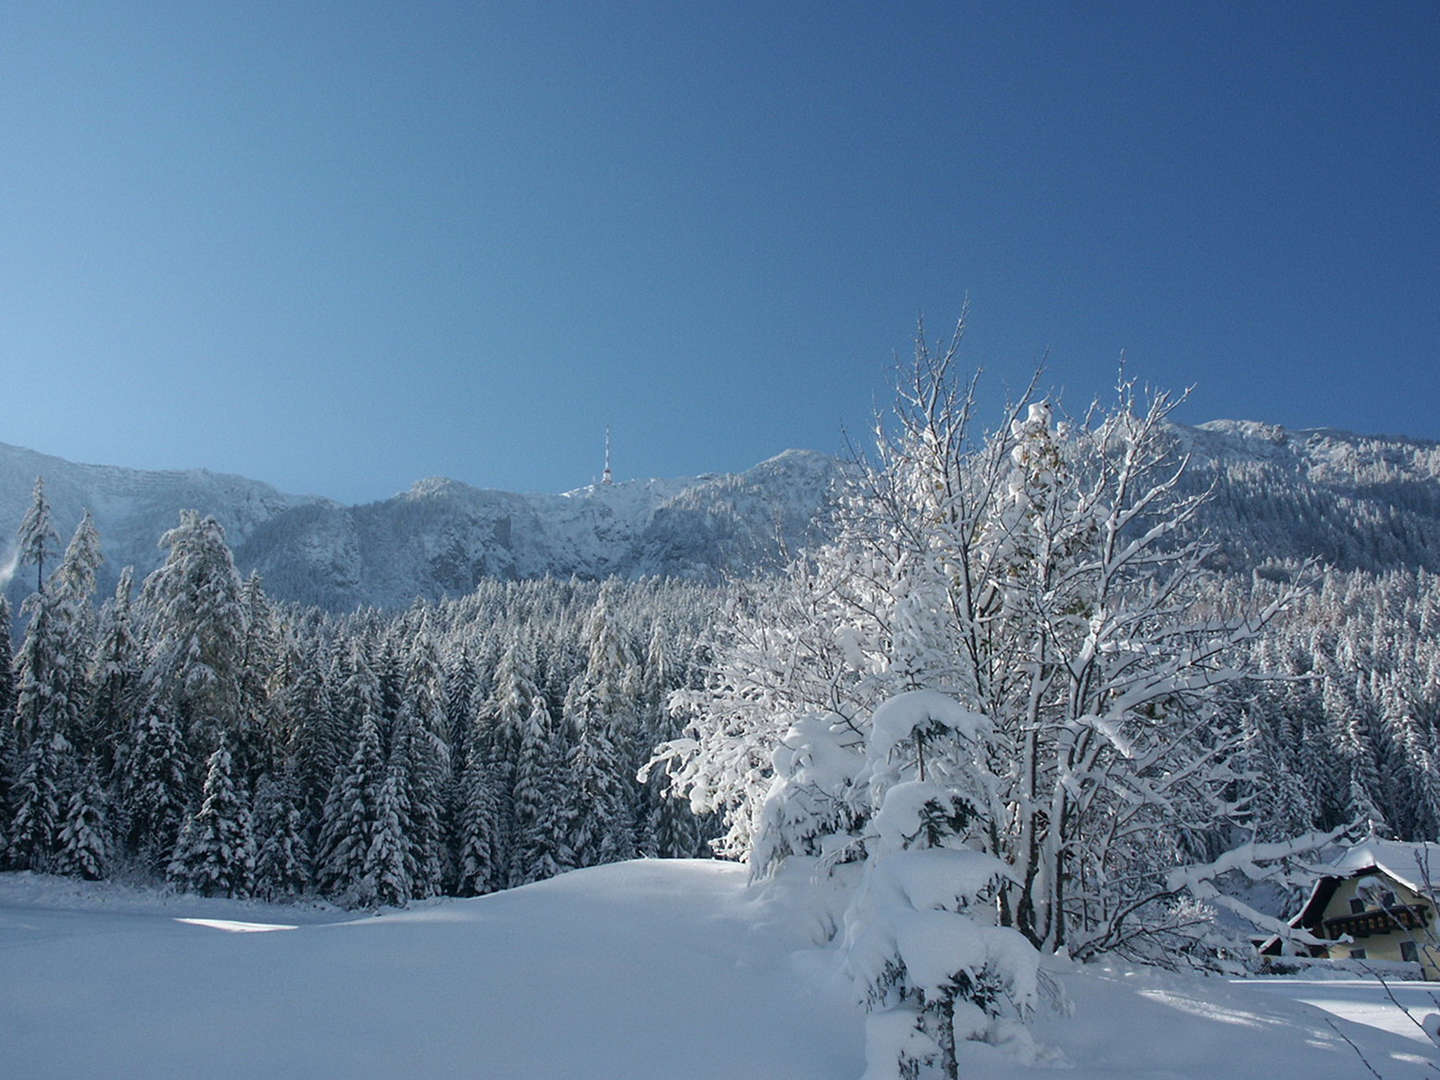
[(282, 857), (539, 849), (478, 841), (596, 808), (84, 842), (154, 786), (114, 677), (215, 855), (37, 538), (197, 632), (7, 725), (388, 877), (351, 814), (39, 801)]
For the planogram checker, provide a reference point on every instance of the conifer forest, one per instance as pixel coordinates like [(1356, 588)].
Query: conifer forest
[(192, 730)]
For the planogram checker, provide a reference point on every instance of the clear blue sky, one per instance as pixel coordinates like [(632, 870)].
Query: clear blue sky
[(341, 247)]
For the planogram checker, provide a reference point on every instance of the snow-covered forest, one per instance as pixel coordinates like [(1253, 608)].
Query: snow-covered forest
[(462, 728), (191, 729), (1009, 707)]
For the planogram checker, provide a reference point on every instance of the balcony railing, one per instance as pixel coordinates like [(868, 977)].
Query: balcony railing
[(1395, 917)]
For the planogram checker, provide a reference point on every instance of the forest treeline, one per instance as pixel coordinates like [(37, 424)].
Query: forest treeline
[(189, 728)]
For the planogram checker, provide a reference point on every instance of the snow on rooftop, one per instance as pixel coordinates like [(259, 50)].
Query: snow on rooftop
[(1411, 864)]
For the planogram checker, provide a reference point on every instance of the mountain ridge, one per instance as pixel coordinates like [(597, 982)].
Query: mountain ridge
[(1354, 500)]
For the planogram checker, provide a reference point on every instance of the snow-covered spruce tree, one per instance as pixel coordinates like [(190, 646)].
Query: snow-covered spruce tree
[(282, 857), (540, 848), (154, 786), (52, 691), (255, 737), (37, 538), (215, 855), (351, 814), (388, 877), (38, 803), (502, 722), (114, 678), (421, 727), (84, 843), (479, 842), (594, 806), (1042, 576), (197, 629)]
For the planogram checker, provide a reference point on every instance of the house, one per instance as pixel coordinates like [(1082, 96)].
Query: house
[(1377, 903)]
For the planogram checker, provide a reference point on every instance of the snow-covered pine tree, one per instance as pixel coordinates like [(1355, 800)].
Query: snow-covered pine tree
[(429, 795), (595, 804), (114, 677), (45, 671), (326, 710), (388, 864), (154, 786), (8, 761), (351, 814), (502, 723), (479, 843), (255, 742), (282, 858), (921, 939), (215, 854), (540, 847), (460, 681), (197, 628), (84, 843), (38, 800), (37, 539)]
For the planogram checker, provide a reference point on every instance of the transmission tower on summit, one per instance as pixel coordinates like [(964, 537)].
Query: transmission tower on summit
[(607, 477)]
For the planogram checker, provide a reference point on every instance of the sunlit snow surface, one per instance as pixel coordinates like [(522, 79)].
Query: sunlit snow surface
[(642, 971)]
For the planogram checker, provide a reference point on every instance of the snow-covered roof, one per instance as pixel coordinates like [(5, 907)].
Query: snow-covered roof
[(1413, 865)]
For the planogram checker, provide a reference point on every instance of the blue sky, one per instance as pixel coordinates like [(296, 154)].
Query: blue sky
[(341, 247)]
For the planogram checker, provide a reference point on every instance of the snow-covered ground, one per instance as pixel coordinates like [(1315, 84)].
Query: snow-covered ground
[(643, 971)]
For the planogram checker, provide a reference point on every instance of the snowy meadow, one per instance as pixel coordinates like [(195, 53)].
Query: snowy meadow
[(650, 970)]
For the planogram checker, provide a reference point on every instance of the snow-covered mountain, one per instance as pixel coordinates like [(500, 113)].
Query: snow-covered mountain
[(131, 507), (441, 537), (1367, 502), (1357, 501)]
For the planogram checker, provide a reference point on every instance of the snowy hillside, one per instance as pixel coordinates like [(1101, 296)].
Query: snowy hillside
[(1359, 502), (643, 971)]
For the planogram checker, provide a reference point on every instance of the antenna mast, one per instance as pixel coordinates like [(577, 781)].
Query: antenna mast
[(606, 477)]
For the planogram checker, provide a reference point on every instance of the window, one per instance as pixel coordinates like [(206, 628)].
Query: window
[(1356, 906), (1357, 954), (1408, 951), (1387, 899)]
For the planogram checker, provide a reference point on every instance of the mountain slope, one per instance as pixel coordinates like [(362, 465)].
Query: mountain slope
[(439, 538), (131, 507), (1359, 502), (1356, 501)]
